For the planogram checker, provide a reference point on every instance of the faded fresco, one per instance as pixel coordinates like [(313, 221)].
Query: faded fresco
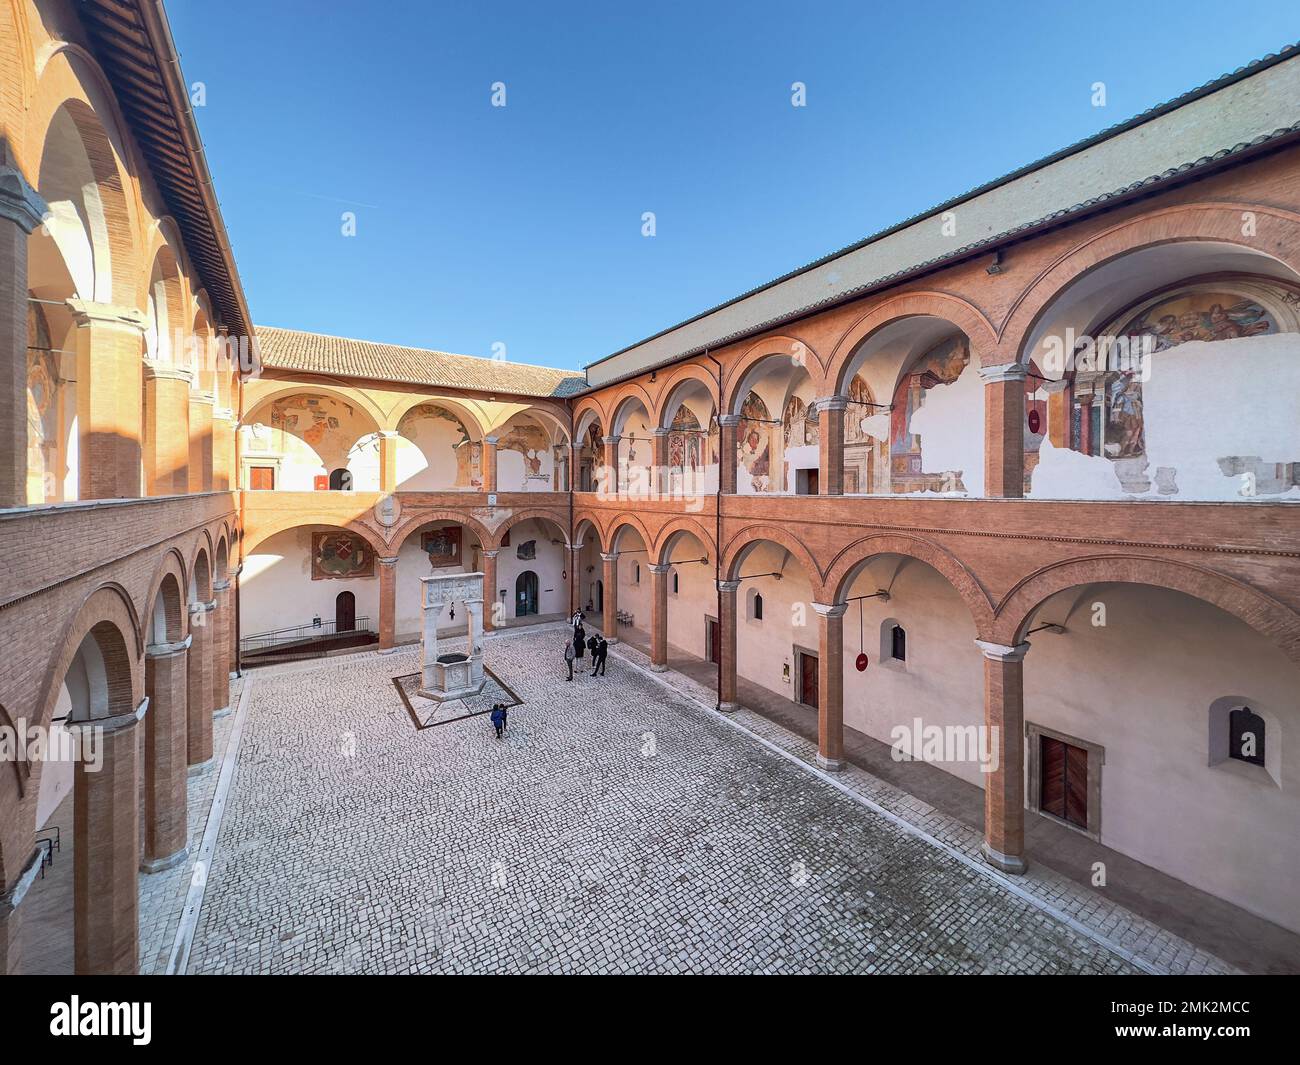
[(337, 556), (941, 365), (532, 442), (799, 424), (442, 545), (754, 444)]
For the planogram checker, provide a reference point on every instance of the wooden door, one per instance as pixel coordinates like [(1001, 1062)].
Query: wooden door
[(714, 636), (345, 612), (261, 478), (1063, 790), (808, 679), (814, 485), (526, 594)]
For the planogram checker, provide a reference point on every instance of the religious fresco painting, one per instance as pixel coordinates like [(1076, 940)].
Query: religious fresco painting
[(42, 408), (336, 556), (684, 440), (941, 365), (860, 448), (799, 424), (469, 464), (311, 418), (753, 444), (442, 545)]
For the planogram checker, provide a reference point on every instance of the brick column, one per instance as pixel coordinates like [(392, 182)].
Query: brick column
[(110, 388), (387, 605), (233, 647), (201, 408), (659, 478), (491, 594), (728, 427), (106, 862), (659, 616), (21, 211), (830, 457), (1004, 788), (728, 700), (221, 648), (166, 429), (1004, 431), (830, 684), (489, 464), (610, 480), (198, 688), (166, 826), (223, 449), (388, 460), (609, 579)]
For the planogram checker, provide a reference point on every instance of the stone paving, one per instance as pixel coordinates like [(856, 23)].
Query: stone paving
[(619, 827)]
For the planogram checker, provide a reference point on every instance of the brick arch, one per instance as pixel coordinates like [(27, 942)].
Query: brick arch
[(1278, 238), (221, 556), (960, 313), (200, 568), (690, 372), (766, 348), (579, 535), (629, 521), (1276, 622), (670, 530), (297, 521), (628, 395), (735, 550), (847, 564), (344, 394), (558, 520), (589, 405), (399, 535), (468, 412), (173, 563)]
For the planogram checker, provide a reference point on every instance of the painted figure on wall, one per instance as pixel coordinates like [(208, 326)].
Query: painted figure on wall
[(442, 545), (941, 365), (311, 418), (753, 458), (799, 425), (340, 555)]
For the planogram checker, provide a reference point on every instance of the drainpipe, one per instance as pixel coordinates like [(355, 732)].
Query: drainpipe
[(717, 526), (573, 577)]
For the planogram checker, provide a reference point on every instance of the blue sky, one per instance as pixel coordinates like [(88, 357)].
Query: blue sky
[(478, 225)]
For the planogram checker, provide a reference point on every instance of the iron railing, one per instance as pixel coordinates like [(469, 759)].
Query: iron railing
[(325, 630)]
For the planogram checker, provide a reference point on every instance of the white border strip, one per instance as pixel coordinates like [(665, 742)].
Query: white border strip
[(980, 867), (178, 962)]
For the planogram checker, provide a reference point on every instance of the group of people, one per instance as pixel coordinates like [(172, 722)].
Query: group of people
[(499, 714), (581, 645)]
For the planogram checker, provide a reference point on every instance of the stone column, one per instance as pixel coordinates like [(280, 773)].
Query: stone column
[(166, 429), (220, 645), (223, 449), (166, 827), (728, 427), (388, 460), (660, 459), (571, 570), (491, 594), (610, 481), (830, 684), (609, 579), (106, 863), (1004, 788), (1004, 431), (21, 211), (110, 388), (830, 457), (728, 700), (489, 464), (198, 688), (388, 605), (659, 617), (232, 649), (201, 408)]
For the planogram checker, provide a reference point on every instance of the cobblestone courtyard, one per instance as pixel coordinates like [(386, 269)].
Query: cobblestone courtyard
[(618, 828)]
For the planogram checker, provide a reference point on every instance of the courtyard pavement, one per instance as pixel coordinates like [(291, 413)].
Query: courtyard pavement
[(619, 827)]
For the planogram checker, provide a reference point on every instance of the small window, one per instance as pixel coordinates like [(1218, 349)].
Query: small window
[(1246, 736), (636, 573), (674, 582), (898, 643), (758, 607)]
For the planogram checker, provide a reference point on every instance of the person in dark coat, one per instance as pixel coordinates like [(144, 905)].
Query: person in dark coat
[(569, 656), (498, 719), (593, 641), (601, 653), (579, 641), (505, 716)]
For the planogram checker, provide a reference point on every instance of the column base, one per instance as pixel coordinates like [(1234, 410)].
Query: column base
[(831, 765), (223, 712), (1007, 863), (157, 865), (234, 675), (195, 770), (387, 650), (728, 708), (658, 667), (611, 639)]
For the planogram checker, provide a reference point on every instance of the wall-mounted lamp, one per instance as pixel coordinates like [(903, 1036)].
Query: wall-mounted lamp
[(995, 267)]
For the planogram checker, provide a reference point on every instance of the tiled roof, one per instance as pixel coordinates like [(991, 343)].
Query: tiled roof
[(292, 349)]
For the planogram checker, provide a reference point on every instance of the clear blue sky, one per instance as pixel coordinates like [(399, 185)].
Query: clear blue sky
[(522, 225)]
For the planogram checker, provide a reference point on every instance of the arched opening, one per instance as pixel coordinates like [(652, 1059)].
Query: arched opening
[(690, 416), (439, 449), (539, 546), (1138, 355), (311, 440), (345, 612), (526, 594), (532, 454), (341, 480), (634, 428), (590, 455), (436, 547), (778, 438)]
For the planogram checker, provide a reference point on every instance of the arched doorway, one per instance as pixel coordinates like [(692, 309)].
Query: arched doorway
[(345, 612), (526, 594), (341, 480), (600, 597)]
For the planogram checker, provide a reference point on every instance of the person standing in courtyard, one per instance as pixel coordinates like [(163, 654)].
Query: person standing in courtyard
[(593, 641), (498, 719), (569, 656), (579, 641), (505, 716), (601, 653)]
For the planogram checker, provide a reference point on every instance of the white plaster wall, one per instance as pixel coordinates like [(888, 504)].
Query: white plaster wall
[(276, 589), (550, 563), (512, 472), (57, 775), (412, 564), (951, 426), (426, 454)]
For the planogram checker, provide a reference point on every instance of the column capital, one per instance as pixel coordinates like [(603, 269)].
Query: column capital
[(222, 414), (661, 431), (660, 567), (611, 556), (166, 650), (729, 419), (166, 371), (831, 403), (609, 440), (727, 586), (486, 554), (220, 585), (112, 724), (388, 560), (206, 398), (998, 652), (1011, 371), (19, 202), (831, 610), (491, 440), (88, 312), (389, 434)]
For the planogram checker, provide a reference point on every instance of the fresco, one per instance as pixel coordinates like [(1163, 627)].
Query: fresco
[(443, 546), (859, 396), (941, 365), (531, 441), (312, 418), (430, 410), (799, 424), (684, 440), (336, 556), (753, 444)]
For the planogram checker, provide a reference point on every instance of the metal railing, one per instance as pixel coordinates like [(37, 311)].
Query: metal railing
[(265, 641)]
